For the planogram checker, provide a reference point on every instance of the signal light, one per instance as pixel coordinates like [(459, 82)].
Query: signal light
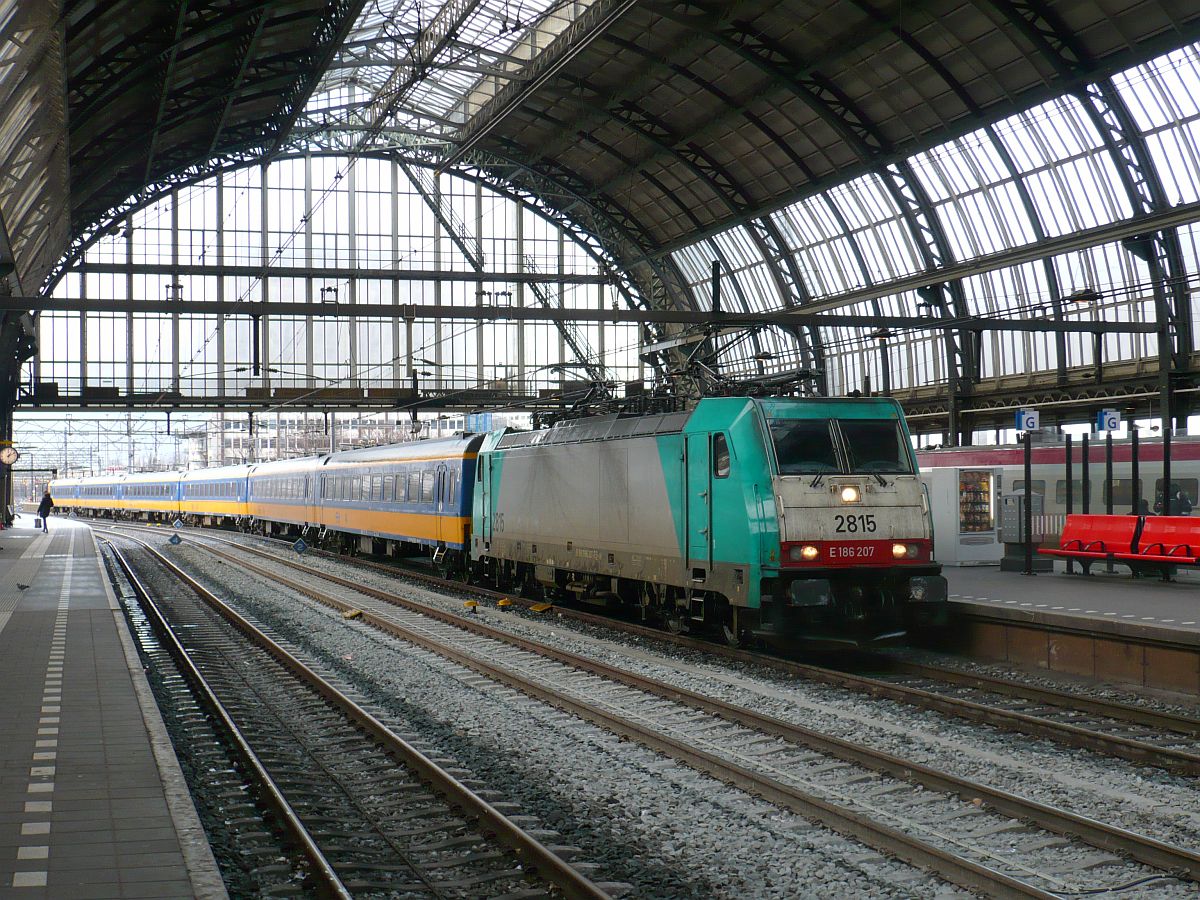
[(850, 494)]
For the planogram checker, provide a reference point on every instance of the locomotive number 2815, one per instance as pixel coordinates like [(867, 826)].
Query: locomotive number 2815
[(860, 523)]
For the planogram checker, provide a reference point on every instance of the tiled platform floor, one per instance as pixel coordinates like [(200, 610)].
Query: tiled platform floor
[(92, 803)]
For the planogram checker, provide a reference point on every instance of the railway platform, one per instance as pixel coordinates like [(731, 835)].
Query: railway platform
[(92, 801), (1108, 626)]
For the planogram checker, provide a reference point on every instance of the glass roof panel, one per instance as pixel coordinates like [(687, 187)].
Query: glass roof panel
[(431, 89)]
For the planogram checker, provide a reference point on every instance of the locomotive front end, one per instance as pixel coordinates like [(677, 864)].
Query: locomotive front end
[(855, 557)]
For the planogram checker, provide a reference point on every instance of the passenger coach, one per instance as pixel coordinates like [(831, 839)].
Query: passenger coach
[(214, 496), (402, 498)]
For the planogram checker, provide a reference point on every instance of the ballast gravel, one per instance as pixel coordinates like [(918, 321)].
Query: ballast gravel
[(643, 820), (1142, 799)]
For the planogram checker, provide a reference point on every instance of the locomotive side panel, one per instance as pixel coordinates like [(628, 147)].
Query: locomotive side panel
[(598, 507)]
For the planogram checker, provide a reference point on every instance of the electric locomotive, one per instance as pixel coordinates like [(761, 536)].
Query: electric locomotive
[(781, 520)]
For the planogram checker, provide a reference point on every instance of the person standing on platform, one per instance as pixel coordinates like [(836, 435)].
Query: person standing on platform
[(44, 508), (1181, 503)]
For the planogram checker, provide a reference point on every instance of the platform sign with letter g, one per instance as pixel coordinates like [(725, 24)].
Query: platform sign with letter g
[(1108, 420), (1028, 420)]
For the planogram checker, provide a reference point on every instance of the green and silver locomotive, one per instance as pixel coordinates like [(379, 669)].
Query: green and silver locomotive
[(778, 520)]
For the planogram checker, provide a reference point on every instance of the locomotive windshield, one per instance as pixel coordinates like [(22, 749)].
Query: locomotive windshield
[(845, 446), (874, 445), (804, 446)]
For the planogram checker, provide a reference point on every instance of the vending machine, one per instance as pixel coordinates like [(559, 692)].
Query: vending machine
[(965, 506)]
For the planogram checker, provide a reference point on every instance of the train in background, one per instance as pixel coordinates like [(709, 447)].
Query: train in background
[(966, 486), (762, 520)]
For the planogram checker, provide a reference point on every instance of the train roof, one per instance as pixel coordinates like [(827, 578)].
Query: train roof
[(447, 448), (146, 477), (830, 407), (218, 473), (286, 466)]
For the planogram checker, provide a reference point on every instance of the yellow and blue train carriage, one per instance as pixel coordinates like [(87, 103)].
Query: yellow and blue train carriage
[(65, 492), (151, 495), (282, 493), (417, 494), (213, 496)]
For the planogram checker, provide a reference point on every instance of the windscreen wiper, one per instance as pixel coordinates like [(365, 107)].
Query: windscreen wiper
[(882, 481), (816, 482)]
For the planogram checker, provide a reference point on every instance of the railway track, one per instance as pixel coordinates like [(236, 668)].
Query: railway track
[(1134, 733), (373, 814), (259, 855), (965, 833)]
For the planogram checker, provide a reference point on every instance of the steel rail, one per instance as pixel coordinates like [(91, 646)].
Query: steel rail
[(534, 855), (1108, 837), (1125, 712), (321, 867)]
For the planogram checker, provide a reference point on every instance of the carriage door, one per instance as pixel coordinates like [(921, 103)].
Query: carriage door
[(441, 503), (699, 506)]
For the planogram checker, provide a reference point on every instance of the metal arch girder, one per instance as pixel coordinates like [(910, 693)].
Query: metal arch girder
[(647, 289), (779, 260), (1160, 250), (684, 210), (328, 37), (248, 52), (128, 63), (165, 91), (613, 229), (1126, 145), (841, 114), (89, 233), (589, 26), (764, 233), (617, 229)]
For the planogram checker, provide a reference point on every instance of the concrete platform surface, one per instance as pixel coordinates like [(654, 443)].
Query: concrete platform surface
[(1116, 598), (92, 802)]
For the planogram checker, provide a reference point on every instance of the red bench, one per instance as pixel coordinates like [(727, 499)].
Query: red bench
[(1168, 540), (1137, 541), (1096, 537)]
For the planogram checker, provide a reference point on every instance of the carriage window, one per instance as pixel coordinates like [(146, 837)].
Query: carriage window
[(426, 487), (376, 487), (1122, 492), (389, 484), (1060, 493), (803, 446), (1039, 486), (414, 486), (720, 455), (875, 445)]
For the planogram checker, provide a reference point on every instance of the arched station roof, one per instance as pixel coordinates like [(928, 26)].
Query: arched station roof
[(973, 158)]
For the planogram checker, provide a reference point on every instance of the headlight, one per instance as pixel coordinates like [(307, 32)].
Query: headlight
[(904, 551), (850, 494), (809, 552)]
